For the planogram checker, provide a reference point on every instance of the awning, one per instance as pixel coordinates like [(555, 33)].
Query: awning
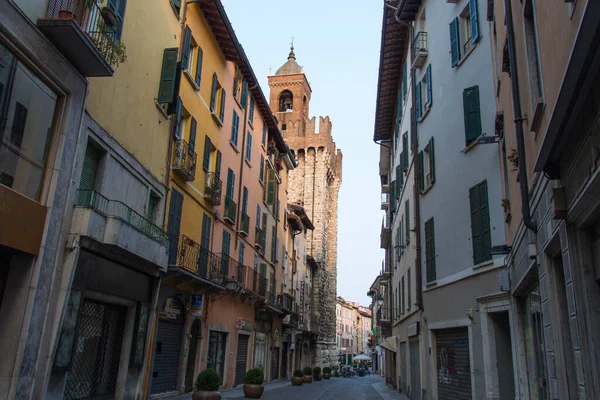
[(362, 357), (389, 344)]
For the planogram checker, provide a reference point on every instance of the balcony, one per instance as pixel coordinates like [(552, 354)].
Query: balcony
[(116, 225), (384, 315), (184, 160), (287, 302), (230, 210), (384, 201), (385, 235), (260, 239), (418, 50), (245, 224), (259, 284), (291, 319), (85, 34), (188, 255), (213, 188), (272, 299)]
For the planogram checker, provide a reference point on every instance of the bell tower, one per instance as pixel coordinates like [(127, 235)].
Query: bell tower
[(314, 184)]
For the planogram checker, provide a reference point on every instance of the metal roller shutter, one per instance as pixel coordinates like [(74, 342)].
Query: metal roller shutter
[(453, 366), (241, 359), (166, 357), (415, 370)]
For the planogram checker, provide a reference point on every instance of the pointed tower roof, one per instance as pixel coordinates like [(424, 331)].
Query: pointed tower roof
[(290, 67)]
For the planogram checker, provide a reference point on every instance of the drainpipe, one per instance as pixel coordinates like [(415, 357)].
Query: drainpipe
[(518, 119)]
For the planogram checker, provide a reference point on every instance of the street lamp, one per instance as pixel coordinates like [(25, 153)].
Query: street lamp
[(379, 300)]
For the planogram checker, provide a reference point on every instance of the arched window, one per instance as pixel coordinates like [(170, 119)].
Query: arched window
[(286, 99)]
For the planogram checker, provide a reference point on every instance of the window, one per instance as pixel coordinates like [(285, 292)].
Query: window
[(241, 252), (264, 136), (118, 7), (480, 223), (407, 226), (238, 85), (176, 4), (271, 191), (402, 305), (216, 352), (28, 120), (409, 294), (251, 112), (286, 101), (273, 243), (430, 250), (261, 167), (258, 212), (245, 200), (464, 32), (533, 64), (424, 95), (472, 114), (230, 184), (217, 100), (226, 244), (207, 153), (235, 126), (249, 147), (152, 209), (405, 152), (427, 167)]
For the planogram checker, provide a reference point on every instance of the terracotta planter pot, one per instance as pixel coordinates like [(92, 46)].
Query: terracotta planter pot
[(307, 379), (253, 391), (65, 15), (206, 396), (326, 376), (108, 16), (317, 377), (297, 380)]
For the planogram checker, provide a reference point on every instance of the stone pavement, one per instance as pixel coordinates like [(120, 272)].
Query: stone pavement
[(365, 388)]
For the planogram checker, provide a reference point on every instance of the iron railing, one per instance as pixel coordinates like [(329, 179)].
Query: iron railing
[(271, 299), (259, 284), (191, 256), (119, 210), (89, 16), (232, 270), (230, 210), (213, 188), (184, 160), (293, 319), (384, 314), (286, 302), (245, 224), (418, 45)]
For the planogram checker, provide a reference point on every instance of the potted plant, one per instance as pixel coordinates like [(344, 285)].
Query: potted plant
[(513, 157), (308, 375), (326, 373), (317, 373), (253, 383), (298, 378), (108, 16), (112, 49), (506, 205), (207, 385)]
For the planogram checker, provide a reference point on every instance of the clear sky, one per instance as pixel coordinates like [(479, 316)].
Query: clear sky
[(337, 43)]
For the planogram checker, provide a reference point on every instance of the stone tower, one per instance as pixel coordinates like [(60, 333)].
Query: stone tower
[(315, 185)]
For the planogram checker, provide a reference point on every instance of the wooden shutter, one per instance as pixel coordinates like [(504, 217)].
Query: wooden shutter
[(399, 106), (429, 90), (199, 58), (421, 172), (264, 135), (177, 122), (431, 160), (418, 98), (407, 226), (258, 212), (430, 250), (90, 165), (118, 6), (222, 111), (226, 243), (474, 20), (174, 223), (405, 79), (455, 41), (205, 240), (480, 223), (185, 54), (207, 149), (230, 184), (261, 168), (271, 186), (251, 109), (405, 151), (392, 196), (409, 285), (245, 200), (399, 181), (192, 141), (244, 99), (472, 113), (249, 147), (213, 95), (235, 121), (168, 76), (218, 165)]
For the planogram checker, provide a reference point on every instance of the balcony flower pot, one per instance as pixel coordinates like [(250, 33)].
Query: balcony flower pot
[(206, 386), (253, 383), (108, 16), (298, 378), (64, 14)]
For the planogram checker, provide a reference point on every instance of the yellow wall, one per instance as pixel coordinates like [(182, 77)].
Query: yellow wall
[(124, 105)]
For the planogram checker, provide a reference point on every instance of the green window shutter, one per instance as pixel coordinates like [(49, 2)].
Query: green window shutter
[(392, 195), (418, 103), (263, 270), (403, 304), (185, 54), (421, 172), (261, 168), (264, 223), (90, 165), (192, 140), (407, 213), (258, 212), (207, 149), (230, 184), (480, 223), (177, 3), (405, 79), (271, 187), (409, 294), (455, 41), (174, 223), (432, 160), (205, 239), (177, 122), (241, 252), (235, 121), (472, 114), (245, 200), (405, 151), (474, 20), (399, 181), (430, 250), (264, 135), (218, 165), (199, 58), (399, 106), (244, 98), (168, 76), (251, 114), (429, 90), (226, 243), (213, 95), (222, 111), (249, 147)]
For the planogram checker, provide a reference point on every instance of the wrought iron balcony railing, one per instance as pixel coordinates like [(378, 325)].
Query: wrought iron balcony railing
[(383, 315), (117, 209), (259, 284), (272, 299), (184, 160), (245, 224), (213, 188), (418, 49), (230, 210), (187, 254), (287, 302)]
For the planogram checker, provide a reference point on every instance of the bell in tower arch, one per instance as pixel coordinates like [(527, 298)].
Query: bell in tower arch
[(286, 101)]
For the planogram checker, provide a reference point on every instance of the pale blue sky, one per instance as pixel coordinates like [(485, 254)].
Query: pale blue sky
[(337, 43)]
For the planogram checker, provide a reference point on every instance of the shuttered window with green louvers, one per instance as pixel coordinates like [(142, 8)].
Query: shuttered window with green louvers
[(186, 50), (480, 223), (90, 166), (207, 150), (199, 58), (418, 102), (407, 213), (405, 151), (430, 250), (168, 76), (473, 15), (421, 172), (455, 41), (472, 114), (230, 184), (271, 186), (214, 93), (399, 181)]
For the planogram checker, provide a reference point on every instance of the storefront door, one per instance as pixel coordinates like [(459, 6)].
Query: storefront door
[(216, 352)]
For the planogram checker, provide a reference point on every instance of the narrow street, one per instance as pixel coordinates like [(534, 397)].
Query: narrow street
[(366, 388)]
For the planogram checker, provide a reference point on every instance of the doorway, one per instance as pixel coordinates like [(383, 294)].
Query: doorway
[(284, 358), (504, 361), (241, 359), (191, 360)]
